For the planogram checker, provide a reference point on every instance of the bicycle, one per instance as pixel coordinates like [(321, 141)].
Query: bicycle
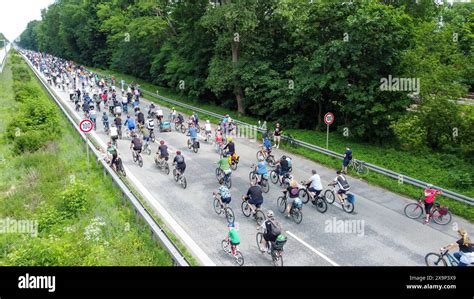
[(275, 250), (296, 213), (258, 215), (163, 165), (194, 145), (220, 208), (359, 167), (235, 252), (264, 184), (234, 161), (137, 158), (439, 213), (444, 258), (178, 177), (220, 175), (118, 167), (291, 141), (330, 196), (147, 148), (269, 158), (306, 195)]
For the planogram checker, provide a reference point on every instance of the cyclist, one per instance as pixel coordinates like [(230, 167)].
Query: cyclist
[(136, 145), (293, 194), (283, 168), (93, 116), (465, 255), (225, 167), (224, 194), (130, 123), (150, 125), (125, 104), (140, 117), (195, 119), (146, 136), (430, 195), (230, 147), (118, 124), (207, 129), (179, 162), (173, 113), (112, 150), (151, 110), (315, 186), (254, 196), (233, 237), (272, 231), (267, 145), (347, 159), (261, 169), (162, 151), (343, 185), (159, 115), (180, 119), (192, 133)]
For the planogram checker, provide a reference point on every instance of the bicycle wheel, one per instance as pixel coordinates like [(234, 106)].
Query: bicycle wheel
[(435, 260), (274, 176), (140, 161), (225, 246), (175, 175), (184, 183), (271, 161), (233, 165), (297, 215), (321, 204), (259, 154), (217, 206), (195, 149), (148, 151), (441, 219), (281, 203), (245, 209), (259, 238), (259, 217), (229, 215), (134, 157), (239, 258), (219, 174), (265, 186), (167, 169), (183, 129), (413, 210), (303, 195), (347, 206), (228, 183), (252, 176), (329, 196), (277, 258), (176, 126), (363, 170)]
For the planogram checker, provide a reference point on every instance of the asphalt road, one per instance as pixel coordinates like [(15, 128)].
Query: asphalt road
[(383, 234)]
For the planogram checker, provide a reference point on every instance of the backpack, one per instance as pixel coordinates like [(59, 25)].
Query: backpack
[(294, 191), (276, 228), (289, 162), (179, 159), (343, 183)]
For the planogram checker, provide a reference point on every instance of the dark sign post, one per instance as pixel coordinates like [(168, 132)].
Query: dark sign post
[(86, 125), (328, 119)]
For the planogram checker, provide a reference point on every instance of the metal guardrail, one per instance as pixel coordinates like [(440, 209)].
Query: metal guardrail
[(178, 258), (6, 49), (375, 168)]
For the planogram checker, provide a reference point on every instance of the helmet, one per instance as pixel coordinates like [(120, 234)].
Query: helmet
[(283, 157), (230, 139), (207, 121), (231, 224), (162, 142), (178, 152), (270, 214), (172, 108), (105, 113), (260, 158)]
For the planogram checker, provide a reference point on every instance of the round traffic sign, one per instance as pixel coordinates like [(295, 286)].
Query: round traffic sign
[(86, 125), (329, 118)]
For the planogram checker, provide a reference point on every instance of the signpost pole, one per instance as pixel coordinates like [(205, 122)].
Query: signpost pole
[(327, 137), (328, 120)]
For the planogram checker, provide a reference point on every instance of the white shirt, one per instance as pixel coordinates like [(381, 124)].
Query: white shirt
[(208, 127), (316, 182), (159, 112), (113, 131)]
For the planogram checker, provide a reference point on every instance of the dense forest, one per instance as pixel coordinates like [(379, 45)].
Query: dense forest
[(289, 60)]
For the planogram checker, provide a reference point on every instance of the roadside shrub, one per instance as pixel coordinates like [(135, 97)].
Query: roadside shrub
[(409, 133), (20, 73), (74, 200), (30, 141), (25, 92)]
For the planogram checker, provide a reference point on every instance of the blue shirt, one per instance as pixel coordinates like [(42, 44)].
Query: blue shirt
[(262, 167), (348, 155), (192, 132), (267, 143), (130, 123)]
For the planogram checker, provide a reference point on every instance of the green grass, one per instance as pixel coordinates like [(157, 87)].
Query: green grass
[(445, 170), (31, 188)]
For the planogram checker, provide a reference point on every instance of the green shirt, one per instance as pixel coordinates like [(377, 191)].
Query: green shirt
[(223, 164), (234, 236)]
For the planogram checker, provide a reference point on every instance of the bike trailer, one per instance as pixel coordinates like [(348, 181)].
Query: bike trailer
[(351, 198), (165, 126)]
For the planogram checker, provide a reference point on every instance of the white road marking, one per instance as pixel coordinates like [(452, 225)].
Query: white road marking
[(312, 249)]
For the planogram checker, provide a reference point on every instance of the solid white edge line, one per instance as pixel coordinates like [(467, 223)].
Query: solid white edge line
[(169, 220), (312, 249)]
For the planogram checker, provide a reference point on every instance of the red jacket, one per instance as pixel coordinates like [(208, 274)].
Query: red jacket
[(430, 195)]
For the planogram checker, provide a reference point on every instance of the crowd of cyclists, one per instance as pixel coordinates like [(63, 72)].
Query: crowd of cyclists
[(96, 96)]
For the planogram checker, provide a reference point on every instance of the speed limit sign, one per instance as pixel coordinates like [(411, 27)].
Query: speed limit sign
[(328, 118), (86, 125)]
